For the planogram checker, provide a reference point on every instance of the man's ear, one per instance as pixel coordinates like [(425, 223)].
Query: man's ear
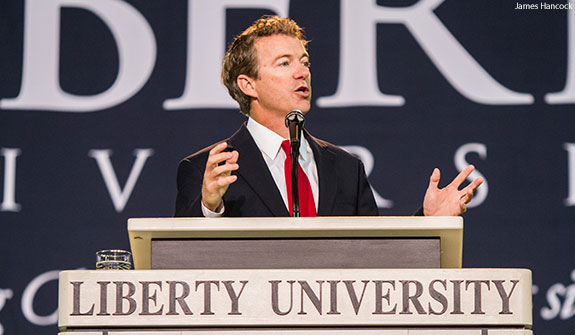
[(247, 85)]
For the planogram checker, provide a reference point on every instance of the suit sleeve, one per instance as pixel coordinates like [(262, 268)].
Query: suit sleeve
[(366, 205), (189, 181)]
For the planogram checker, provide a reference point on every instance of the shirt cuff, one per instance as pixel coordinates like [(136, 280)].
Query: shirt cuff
[(211, 214)]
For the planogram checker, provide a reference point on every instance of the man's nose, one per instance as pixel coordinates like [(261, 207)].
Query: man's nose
[(302, 72)]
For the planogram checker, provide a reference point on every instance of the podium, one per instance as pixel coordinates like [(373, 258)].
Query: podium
[(337, 275)]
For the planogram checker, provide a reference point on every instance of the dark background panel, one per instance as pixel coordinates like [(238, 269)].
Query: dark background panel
[(67, 213)]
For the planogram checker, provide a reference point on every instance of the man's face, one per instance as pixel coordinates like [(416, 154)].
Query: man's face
[(284, 79)]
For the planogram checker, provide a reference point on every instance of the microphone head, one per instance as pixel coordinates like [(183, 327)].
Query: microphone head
[(295, 116)]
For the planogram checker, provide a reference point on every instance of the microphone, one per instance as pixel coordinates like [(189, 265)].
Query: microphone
[(294, 122)]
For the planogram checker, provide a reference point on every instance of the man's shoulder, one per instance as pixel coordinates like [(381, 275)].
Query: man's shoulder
[(338, 151), (203, 154)]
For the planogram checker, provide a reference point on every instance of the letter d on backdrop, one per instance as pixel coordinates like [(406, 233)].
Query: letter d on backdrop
[(40, 82)]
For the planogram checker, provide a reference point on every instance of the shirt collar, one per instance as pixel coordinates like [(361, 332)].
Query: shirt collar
[(270, 143)]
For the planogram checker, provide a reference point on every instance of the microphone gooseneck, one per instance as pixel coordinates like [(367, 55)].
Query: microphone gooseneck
[(294, 122)]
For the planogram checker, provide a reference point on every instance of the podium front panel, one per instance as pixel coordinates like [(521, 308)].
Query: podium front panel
[(296, 253)]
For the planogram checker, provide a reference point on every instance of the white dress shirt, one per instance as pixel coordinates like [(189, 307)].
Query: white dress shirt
[(269, 144)]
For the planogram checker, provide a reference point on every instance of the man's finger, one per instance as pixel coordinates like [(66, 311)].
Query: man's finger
[(215, 187), (225, 169), (466, 196), (235, 157), (434, 179), (473, 185), (462, 176), (220, 182), (225, 181), (230, 159), (218, 148), (216, 159)]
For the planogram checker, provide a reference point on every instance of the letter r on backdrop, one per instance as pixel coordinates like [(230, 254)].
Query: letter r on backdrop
[(358, 85)]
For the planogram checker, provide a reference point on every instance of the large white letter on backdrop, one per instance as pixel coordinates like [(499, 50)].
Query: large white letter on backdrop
[(28, 300), (358, 85), (570, 147), (368, 161), (567, 96), (206, 49), (9, 195), (120, 196), (461, 164), (40, 79)]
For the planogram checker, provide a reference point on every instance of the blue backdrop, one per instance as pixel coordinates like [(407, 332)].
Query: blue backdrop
[(101, 99)]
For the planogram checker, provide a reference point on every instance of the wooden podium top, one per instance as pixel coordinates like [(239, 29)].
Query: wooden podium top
[(449, 231)]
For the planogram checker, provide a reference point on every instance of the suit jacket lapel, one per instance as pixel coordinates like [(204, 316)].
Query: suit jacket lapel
[(324, 159), (254, 171)]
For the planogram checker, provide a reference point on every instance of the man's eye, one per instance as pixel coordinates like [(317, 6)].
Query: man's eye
[(306, 64), (285, 63)]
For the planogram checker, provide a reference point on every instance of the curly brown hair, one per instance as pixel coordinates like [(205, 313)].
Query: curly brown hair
[(241, 57)]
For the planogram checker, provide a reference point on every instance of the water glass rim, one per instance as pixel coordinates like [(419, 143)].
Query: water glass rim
[(113, 251)]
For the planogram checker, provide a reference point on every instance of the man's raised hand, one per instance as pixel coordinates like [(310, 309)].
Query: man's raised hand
[(450, 200), (217, 176)]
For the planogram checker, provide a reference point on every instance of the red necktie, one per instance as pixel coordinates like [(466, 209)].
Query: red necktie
[(306, 202)]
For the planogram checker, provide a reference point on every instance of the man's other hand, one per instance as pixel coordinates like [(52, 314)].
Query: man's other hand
[(449, 201)]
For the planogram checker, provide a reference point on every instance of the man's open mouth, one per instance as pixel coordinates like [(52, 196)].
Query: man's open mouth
[(303, 90)]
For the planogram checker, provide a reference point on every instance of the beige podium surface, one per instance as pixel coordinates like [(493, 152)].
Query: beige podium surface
[(312, 331), (445, 298), (409, 241)]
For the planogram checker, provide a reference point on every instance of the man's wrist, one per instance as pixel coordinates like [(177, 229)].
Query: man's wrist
[(219, 212), (213, 208)]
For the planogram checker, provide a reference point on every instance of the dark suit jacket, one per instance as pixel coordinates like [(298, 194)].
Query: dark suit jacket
[(343, 186)]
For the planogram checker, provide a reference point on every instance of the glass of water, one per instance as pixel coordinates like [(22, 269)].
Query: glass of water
[(113, 259)]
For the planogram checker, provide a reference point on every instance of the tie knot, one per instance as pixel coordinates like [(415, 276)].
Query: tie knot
[(286, 147)]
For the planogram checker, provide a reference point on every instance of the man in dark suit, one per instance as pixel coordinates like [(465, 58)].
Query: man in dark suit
[(343, 187), (266, 70)]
